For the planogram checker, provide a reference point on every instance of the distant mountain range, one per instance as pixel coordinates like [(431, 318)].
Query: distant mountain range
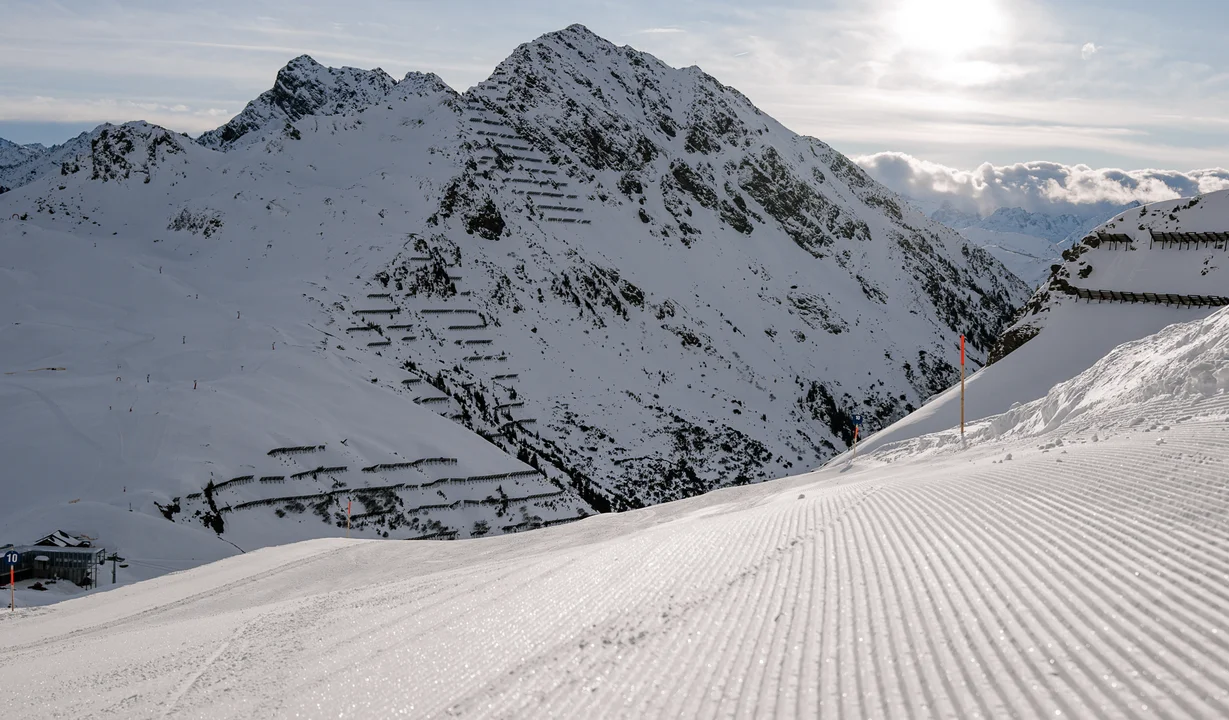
[(1027, 242)]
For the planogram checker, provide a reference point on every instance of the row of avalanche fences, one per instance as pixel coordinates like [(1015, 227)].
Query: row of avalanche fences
[(59, 556)]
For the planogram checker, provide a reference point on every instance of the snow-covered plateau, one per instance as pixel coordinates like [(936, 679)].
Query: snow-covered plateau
[(1069, 559)]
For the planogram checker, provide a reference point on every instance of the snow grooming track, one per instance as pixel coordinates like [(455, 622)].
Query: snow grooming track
[(1085, 576)]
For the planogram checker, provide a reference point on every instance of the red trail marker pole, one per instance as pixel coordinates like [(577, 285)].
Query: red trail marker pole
[(962, 387), (12, 590), (348, 502)]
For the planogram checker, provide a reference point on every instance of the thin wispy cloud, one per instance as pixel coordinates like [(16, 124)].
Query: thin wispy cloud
[(961, 82)]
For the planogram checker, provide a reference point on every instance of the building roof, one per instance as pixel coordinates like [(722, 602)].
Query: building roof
[(59, 538), (29, 551)]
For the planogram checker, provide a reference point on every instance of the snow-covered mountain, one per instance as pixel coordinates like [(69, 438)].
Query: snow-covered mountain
[(1027, 242), (1133, 261), (29, 166), (593, 282), (1068, 560), (1055, 228), (1115, 286), (14, 158), (304, 87), (12, 154)]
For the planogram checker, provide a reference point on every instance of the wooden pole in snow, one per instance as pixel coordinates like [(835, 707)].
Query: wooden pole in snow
[(962, 387)]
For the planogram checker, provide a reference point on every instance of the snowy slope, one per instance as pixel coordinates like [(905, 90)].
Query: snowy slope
[(187, 351), (561, 293), (1058, 335), (1071, 562)]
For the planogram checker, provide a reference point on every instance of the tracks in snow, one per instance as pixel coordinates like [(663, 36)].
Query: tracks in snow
[(1086, 580)]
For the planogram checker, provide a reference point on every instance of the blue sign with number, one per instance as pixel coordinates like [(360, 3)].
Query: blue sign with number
[(12, 557), (857, 420)]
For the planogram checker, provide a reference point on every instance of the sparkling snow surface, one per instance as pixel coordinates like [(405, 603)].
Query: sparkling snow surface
[(1071, 561)]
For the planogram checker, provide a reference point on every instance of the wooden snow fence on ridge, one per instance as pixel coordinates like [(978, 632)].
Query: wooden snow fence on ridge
[(1151, 298), (441, 535), (474, 479), (1110, 241), (1189, 240), (421, 462), (317, 472), (241, 480), (295, 450)]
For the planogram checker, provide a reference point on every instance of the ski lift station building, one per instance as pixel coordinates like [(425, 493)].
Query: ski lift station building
[(58, 556)]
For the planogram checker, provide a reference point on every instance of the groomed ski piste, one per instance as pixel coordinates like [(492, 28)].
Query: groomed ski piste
[(1067, 558)]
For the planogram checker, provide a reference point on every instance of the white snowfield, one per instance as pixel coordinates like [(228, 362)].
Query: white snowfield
[(1071, 561)]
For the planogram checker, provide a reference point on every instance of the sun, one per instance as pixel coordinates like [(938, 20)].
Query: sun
[(949, 28)]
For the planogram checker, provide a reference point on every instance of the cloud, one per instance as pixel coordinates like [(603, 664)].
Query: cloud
[(658, 31), (178, 117), (1037, 186), (1088, 50)]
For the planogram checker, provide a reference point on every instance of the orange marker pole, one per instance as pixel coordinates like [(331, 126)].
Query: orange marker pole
[(348, 517), (855, 444), (12, 591), (962, 387)]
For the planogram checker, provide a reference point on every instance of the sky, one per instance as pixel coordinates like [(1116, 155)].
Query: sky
[(959, 84)]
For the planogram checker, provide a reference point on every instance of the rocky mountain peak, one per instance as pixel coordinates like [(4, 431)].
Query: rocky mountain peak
[(120, 152), (420, 83), (303, 87), (12, 158)]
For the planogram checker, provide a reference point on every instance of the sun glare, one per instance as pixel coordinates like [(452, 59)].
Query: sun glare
[(950, 28)]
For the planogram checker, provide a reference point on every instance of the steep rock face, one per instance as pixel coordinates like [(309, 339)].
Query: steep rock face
[(135, 148), (303, 87), (666, 211)]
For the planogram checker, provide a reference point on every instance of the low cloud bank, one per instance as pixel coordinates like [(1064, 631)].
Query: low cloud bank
[(1046, 187)]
